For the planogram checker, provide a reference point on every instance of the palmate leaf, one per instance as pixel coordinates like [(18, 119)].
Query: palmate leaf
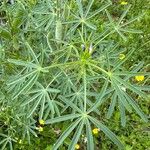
[(6, 142), (126, 100), (29, 74), (89, 7), (84, 17), (99, 10), (32, 53), (35, 105), (120, 95), (40, 96), (28, 130), (82, 119), (77, 96), (130, 86), (22, 83), (119, 27)]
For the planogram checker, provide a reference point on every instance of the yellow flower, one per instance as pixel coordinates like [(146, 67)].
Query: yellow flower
[(20, 142), (95, 131), (121, 56), (42, 122), (124, 3), (77, 146), (40, 129), (139, 78)]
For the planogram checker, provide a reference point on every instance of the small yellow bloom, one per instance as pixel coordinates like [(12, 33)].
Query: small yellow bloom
[(42, 122), (20, 142), (139, 78), (40, 129), (121, 56), (95, 131), (77, 146), (124, 3)]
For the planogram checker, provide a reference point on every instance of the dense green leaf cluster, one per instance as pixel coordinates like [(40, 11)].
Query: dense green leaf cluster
[(59, 65)]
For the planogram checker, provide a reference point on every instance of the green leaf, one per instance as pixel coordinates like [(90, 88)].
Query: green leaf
[(42, 108), (90, 142), (62, 118), (130, 30), (31, 99), (22, 63), (123, 115), (90, 25), (109, 17), (32, 53), (80, 8), (21, 78), (112, 105), (35, 105), (52, 90)]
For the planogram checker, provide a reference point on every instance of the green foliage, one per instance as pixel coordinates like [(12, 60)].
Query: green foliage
[(59, 62)]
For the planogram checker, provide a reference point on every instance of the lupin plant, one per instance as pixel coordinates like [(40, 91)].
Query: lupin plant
[(58, 66)]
